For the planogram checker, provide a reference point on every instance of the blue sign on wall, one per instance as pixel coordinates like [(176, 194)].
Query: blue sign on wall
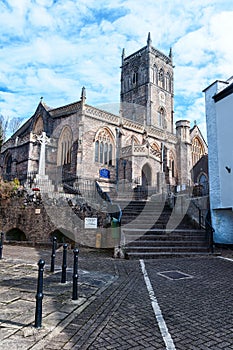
[(105, 173)]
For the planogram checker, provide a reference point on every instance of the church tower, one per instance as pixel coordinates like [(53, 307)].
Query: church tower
[(147, 87)]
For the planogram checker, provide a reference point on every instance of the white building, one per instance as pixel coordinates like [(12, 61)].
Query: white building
[(219, 119)]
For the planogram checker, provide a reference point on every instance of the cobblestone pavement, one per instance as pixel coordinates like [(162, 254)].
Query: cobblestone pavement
[(190, 301)]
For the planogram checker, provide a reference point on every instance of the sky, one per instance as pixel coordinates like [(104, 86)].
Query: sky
[(52, 48)]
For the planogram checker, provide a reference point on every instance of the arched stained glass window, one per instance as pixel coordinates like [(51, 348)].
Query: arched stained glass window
[(104, 147)]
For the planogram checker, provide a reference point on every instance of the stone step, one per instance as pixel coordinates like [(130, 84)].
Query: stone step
[(167, 249), (164, 243), (161, 255), (144, 233), (181, 231)]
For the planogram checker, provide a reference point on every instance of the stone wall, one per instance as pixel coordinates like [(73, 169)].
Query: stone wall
[(38, 222)]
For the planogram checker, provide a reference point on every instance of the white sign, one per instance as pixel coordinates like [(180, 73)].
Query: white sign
[(90, 222)]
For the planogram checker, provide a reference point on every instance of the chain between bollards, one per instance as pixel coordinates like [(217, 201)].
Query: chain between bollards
[(75, 275), (53, 254), (1, 244), (64, 263), (39, 294)]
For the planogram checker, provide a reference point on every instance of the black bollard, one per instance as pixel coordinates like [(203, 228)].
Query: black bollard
[(39, 294), (75, 275), (53, 254), (1, 244), (64, 263)]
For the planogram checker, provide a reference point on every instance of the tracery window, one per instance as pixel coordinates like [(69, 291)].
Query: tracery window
[(64, 146), (197, 150), (104, 147)]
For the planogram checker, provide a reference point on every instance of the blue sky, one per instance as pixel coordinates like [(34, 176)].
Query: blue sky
[(52, 48)]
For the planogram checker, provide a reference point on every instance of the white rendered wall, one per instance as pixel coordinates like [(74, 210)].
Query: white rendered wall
[(219, 119), (224, 112)]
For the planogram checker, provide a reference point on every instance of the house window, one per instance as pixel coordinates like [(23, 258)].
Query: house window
[(104, 146)]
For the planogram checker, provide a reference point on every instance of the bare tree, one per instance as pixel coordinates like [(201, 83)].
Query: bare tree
[(14, 125), (3, 129)]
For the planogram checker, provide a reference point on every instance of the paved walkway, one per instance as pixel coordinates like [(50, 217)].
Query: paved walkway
[(156, 304)]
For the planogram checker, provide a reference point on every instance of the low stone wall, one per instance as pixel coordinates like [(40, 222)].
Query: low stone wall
[(39, 222)]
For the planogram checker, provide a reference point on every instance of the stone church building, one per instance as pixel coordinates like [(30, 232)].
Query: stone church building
[(138, 148)]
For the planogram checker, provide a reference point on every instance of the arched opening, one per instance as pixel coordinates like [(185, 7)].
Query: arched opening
[(63, 236), (204, 184), (38, 126), (146, 175), (146, 180), (8, 167), (64, 147), (15, 234)]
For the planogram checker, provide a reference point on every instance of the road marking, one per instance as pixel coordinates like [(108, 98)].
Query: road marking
[(222, 257), (157, 311)]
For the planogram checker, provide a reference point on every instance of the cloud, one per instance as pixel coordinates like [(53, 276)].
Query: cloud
[(52, 48)]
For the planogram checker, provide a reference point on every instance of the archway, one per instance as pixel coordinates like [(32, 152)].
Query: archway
[(15, 234), (146, 179), (63, 236), (146, 175), (203, 182)]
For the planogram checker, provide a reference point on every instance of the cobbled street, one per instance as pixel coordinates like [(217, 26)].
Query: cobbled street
[(122, 304)]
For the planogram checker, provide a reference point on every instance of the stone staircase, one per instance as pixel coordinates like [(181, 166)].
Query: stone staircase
[(150, 229)]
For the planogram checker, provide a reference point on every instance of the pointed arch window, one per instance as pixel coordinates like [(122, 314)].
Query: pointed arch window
[(168, 82), (161, 118), (197, 150), (8, 164), (38, 125), (172, 163), (161, 78), (64, 146), (155, 75), (135, 78), (104, 147)]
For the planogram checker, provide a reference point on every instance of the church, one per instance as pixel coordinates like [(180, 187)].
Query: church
[(139, 147)]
